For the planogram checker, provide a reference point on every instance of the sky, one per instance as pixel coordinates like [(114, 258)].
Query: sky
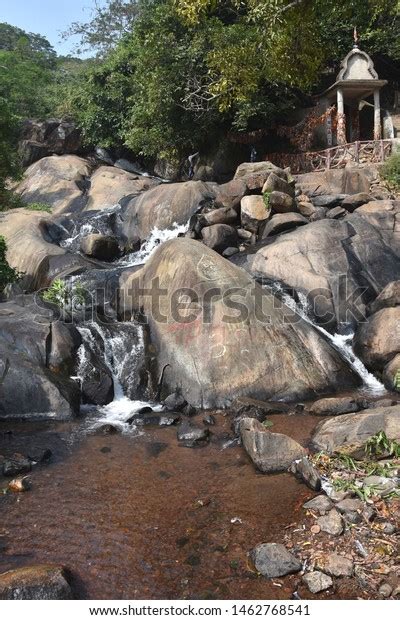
[(47, 17)]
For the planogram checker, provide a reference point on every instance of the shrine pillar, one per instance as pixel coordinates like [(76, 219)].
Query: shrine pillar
[(377, 116), (341, 119)]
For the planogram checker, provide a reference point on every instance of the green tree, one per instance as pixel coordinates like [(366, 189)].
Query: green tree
[(8, 275)]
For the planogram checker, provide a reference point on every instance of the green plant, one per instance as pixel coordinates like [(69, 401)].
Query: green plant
[(266, 199), (379, 444), (63, 294), (38, 206), (396, 380), (390, 170), (8, 274)]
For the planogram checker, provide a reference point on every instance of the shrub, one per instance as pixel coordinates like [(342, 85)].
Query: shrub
[(266, 198), (390, 170), (38, 206), (64, 294), (8, 275)]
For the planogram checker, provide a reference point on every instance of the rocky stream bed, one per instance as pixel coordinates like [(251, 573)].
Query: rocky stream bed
[(183, 368)]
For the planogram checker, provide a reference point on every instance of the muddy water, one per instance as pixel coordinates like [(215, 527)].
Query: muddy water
[(140, 517)]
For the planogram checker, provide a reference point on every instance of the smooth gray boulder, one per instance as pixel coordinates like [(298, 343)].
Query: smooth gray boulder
[(283, 222), (353, 429), (377, 341), (58, 180), (270, 452), (339, 265), (274, 560), (41, 582), (216, 354)]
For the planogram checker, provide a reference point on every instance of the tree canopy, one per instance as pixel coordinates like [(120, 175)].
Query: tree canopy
[(181, 72)]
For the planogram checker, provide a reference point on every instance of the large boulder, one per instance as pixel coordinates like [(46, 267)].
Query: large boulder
[(270, 452), (49, 137), (388, 298), (36, 583), (349, 180), (28, 250), (256, 174), (351, 431), (219, 237), (40, 356), (109, 186), (254, 212), (102, 247), (236, 342), (283, 222), (163, 206), (275, 183), (339, 265), (377, 341), (59, 181)]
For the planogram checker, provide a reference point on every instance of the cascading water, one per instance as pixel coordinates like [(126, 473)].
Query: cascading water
[(157, 237), (122, 352), (341, 342)]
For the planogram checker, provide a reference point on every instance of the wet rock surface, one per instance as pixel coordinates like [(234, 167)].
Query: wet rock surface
[(274, 560), (42, 583)]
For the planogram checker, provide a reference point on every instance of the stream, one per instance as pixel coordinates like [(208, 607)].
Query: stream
[(134, 515)]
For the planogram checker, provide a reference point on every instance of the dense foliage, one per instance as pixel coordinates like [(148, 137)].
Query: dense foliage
[(8, 275), (183, 72)]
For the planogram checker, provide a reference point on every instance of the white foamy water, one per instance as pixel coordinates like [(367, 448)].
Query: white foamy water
[(98, 223), (157, 237), (122, 354), (341, 342)]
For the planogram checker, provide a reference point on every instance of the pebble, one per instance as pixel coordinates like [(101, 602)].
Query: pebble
[(19, 485), (336, 565), (317, 581), (385, 590), (321, 504), (332, 523)]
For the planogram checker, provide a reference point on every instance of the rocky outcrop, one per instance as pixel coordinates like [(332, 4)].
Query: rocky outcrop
[(213, 355), (388, 298), (165, 205), (28, 250), (41, 583), (339, 265), (350, 432), (60, 181), (349, 180), (32, 239), (283, 222), (335, 406), (270, 452), (377, 341), (109, 186), (50, 137), (102, 247), (40, 354)]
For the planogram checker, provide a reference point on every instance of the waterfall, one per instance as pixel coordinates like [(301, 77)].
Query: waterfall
[(341, 342), (121, 347), (99, 222), (156, 238)]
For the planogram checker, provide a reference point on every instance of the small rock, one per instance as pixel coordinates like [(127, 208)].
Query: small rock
[(315, 529), (321, 504), (40, 456), (388, 528), (350, 203), (328, 200), (189, 410), (42, 582), (270, 452), (154, 419), (332, 523), (335, 406), (281, 202), (336, 213), (230, 252), (244, 234), (18, 464), (192, 436), (317, 581), (380, 485), (209, 420), (385, 590), (20, 485), (107, 429), (175, 402), (274, 560), (306, 471), (102, 247), (336, 565), (352, 509)]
